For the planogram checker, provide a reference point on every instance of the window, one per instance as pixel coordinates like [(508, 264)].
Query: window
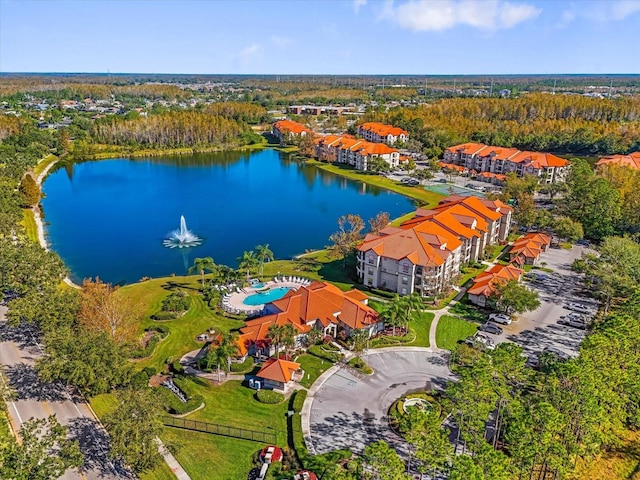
[(405, 280), (405, 268), (404, 291), (370, 271)]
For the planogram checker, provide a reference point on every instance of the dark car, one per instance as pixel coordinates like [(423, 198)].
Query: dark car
[(490, 327)]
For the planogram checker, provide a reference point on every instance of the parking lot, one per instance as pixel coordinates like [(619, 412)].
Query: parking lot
[(540, 329)]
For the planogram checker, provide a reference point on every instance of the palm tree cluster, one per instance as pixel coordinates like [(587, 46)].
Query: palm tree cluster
[(399, 311)]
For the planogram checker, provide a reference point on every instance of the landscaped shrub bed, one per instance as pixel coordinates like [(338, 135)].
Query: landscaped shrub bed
[(147, 351), (361, 365), (243, 367), (319, 352), (390, 340), (173, 404), (269, 396), (163, 316), (176, 302)]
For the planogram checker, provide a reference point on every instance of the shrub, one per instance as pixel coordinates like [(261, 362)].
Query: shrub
[(269, 396), (162, 316), (150, 371), (245, 366), (140, 379), (176, 302), (176, 367), (322, 353)]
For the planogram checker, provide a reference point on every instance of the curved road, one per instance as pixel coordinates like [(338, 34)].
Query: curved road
[(346, 409)]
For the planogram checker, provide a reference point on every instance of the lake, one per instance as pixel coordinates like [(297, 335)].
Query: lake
[(109, 218)]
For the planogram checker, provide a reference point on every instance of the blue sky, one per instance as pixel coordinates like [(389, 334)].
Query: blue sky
[(317, 37)]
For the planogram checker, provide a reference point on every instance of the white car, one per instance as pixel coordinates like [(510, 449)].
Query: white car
[(578, 307), (480, 340), (500, 318)]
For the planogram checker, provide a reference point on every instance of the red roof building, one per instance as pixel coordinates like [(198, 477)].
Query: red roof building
[(276, 374), (286, 130), (630, 161), (381, 133), (354, 151), (484, 284)]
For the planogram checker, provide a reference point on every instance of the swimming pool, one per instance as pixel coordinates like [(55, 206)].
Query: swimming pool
[(257, 285), (266, 297)]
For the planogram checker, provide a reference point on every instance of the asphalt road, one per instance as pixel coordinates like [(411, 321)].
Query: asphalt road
[(350, 409), (35, 399)]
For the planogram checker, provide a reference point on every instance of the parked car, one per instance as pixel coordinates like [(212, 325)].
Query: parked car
[(555, 352), (578, 307), (490, 327), (533, 362), (480, 341), (577, 323), (570, 315), (500, 318)]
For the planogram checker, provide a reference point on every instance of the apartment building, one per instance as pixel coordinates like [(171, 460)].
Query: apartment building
[(354, 151), (479, 157), (630, 161), (286, 130), (380, 133), (425, 253)]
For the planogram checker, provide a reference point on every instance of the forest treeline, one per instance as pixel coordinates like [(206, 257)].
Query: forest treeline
[(570, 124), (222, 124)]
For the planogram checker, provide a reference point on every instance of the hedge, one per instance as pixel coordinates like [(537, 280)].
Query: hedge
[(269, 396), (160, 316), (245, 366), (147, 351)]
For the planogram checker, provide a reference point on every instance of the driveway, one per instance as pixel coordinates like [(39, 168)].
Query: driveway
[(349, 410), (539, 329), (35, 399)]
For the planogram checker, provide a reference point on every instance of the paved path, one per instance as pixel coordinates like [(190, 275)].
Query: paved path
[(345, 409)]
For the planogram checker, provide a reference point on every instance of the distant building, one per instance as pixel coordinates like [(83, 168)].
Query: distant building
[(631, 161), (355, 152), (484, 284), (287, 130), (380, 133), (479, 158), (317, 110)]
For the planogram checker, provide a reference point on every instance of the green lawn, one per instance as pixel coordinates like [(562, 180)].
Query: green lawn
[(425, 197), (44, 163), (467, 311), (29, 223), (313, 367), (451, 330), (421, 324), (183, 330)]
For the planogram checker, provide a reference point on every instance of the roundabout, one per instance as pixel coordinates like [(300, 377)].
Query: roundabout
[(347, 410)]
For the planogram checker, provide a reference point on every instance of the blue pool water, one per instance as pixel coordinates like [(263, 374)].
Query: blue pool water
[(266, 297), (257, 285), (109, 218)]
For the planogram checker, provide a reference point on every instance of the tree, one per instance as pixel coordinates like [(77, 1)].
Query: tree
[(384, 461), (288, 337), (248, 261), (360, 338), (392, 313), (274, 334), (45, 452), (511, 296), (30, 191), (567, 228), (221, 351), (264, 255), (134, 427), (202, 265), (378, 165), (525, 211), (103, 308), (347, 237), (90, 360), (431, 442), (377, 223), (409, 304)]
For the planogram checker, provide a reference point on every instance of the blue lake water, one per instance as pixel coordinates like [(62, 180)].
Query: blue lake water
[(109, 218)]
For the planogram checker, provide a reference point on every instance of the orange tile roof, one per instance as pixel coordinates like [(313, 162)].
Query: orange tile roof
[(468, 148), (348, 142), (383, 130), (278, 370), (407, 243), (631, 161), (290, 126), (485, 283), (513, 155), (301, 308)]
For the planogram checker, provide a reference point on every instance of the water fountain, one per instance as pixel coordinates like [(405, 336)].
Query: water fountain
[(183, 237)]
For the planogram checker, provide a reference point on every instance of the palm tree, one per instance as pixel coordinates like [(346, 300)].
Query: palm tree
[(247, 262), (288, 337), (264, 255), (275, 335), (360, 339), (408, 305), (392, 313), (202, 265), (222, 352)]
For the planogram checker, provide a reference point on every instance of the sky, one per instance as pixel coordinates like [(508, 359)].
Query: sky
[(423, 37)]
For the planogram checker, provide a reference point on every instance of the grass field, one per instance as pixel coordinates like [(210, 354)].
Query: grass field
[(451, 330), (44, 163), (29, 223), (313, 367), (424, 197)]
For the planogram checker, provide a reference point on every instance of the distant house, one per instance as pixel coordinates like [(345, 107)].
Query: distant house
[(501, 160), (380, 133), (630, 161), (279, 374), (287, 130), (354, 151), (317, 110), (484, 284), (321, 306)]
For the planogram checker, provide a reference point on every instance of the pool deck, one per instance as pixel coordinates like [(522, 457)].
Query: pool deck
[(234, 301)]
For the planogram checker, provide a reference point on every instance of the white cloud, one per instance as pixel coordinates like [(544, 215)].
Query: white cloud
[(250, 52), (439, 15), (358, 3), (281, 42), (566, 18), (620, 10)]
